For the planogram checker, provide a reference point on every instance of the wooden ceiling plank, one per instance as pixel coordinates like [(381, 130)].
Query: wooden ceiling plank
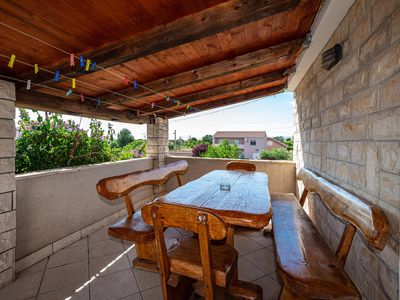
[(232, 100), (184, 30), (49, 103), (223, 68)]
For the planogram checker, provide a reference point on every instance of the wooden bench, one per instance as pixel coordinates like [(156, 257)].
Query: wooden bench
[(133, 228), (307, 266)]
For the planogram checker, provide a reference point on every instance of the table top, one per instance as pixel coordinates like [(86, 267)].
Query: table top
[(247, 203)]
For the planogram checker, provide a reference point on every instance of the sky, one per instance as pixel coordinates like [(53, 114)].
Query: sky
[(273, 114)]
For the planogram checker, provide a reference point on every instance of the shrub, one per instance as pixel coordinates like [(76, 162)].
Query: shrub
[(124, 137), (199, 150), (223, 150), (276, 154)]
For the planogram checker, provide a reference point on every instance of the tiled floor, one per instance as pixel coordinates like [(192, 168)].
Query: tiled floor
[(99, 267)]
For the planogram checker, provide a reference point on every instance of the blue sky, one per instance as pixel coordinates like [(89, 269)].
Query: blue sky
[(273, 114)]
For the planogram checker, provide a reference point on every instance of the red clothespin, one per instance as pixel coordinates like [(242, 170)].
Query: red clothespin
[(126, 80), (82, 98), (72, 60), (152, 105)]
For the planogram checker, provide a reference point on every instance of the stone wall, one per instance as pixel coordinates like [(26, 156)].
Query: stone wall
[(7, 183), (347, 130)]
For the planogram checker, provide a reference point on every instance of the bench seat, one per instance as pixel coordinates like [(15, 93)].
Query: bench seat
[(132, 229), (306, 263)]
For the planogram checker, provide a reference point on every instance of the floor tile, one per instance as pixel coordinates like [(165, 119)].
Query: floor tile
[(68, 256), (263, 259), (111, 263), (146, 279), (275, 277), (38, 267), (271, 289), (114, 286), (172, 233), (184, 232), (153, 294), (259, 237), (23, 287), (247, 271), (60, 294), (100, 235), (245, 245), (133, 297), (64, 276), (105, 248)]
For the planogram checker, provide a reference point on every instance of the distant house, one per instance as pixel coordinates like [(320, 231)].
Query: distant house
[(250, 143)]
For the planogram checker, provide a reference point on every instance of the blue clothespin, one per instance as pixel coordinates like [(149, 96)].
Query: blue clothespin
[(57, 76), (69, 92), (81, 61), (93, 67), (98, 103), (135, 85)]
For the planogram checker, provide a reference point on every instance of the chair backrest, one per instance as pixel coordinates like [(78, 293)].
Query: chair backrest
[(202, 221), (236, 165), (115, 187), (367, 218)]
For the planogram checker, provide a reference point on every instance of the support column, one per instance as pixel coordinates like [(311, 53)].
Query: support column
[(7, 183), (157, 145)]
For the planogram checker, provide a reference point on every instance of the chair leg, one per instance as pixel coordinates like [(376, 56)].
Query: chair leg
[(286, 294), (146, 256)]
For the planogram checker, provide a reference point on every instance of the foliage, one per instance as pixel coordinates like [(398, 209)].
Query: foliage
[(47, 143), (207, 139), (223, 150), (276, 154), (124, 137), (191, 142), (199, 150), (288, 141)]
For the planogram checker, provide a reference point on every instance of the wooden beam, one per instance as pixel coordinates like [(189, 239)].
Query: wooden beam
[(193, 27), (191, 99), (45, 102), (232, 100), (223, 68)]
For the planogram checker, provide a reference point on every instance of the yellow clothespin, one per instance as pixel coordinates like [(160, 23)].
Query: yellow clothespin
[(73, 83), (12, 60), (36, 68), (87, 68)]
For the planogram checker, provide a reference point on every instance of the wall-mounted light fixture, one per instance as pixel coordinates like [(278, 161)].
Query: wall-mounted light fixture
[(332, 56)]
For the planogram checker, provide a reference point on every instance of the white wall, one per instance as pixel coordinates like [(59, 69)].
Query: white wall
[(53, 204)]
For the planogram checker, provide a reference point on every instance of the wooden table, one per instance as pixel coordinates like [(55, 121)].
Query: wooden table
[(247, 203)]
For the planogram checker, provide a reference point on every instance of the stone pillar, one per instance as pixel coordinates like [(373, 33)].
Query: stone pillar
[(157, 145), (7, 183)]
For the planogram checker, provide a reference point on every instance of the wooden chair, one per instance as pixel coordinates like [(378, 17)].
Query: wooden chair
[(190, 257), (236, 165), (307, 266), (132, 228)]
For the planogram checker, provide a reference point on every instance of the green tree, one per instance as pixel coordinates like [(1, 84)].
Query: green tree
[(207, 139), (223, 150), (124, 137), (276, 154)]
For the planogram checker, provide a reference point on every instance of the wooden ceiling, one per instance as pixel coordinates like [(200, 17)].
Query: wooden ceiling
[(204, 53)]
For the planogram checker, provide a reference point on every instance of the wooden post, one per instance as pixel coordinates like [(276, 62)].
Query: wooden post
[(345, 243)]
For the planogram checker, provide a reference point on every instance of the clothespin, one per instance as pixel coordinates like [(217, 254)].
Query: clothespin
[(57, 76), (82, 98), (72, 60), (137, 112), (87, 68), (69, 92), (28, 85), (36, 68), (98, 103), (188, 107), (126, 81), (93, 68), (73, 83), (81, 61), (152, 105), (134, 85), (178, 102), (167, 98), (12, 60)]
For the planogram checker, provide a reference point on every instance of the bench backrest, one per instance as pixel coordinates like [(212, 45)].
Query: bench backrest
[(237, 165), (115, 187), (367, 218)]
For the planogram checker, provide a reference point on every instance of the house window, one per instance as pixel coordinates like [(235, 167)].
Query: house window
[(252, 143)]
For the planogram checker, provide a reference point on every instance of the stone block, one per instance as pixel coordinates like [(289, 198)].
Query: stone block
[(357, 154), (345, 68), (7, 90), (7, 182), (390, 188), (390, 254), (7, 148), (357, 82), (336, 131), (68, 240), (364, 103), (7, 221), (335, 96), (33, 258), (5, 203), (376, 43), (7, 109), (357, 176), (7, 129), (395, 26), (343, 151), (329, 116), (389, 93), (7, 259), (361, 32), (371, 169), (385, 64), (385, 125), (390, 156), (381, 10), (7, 240), (344, 110), (331, 150), (388, 281), (393, 216), (342, 171), (7, 276), (7, 165), (367, 259), (354, 129), (356, 13)]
